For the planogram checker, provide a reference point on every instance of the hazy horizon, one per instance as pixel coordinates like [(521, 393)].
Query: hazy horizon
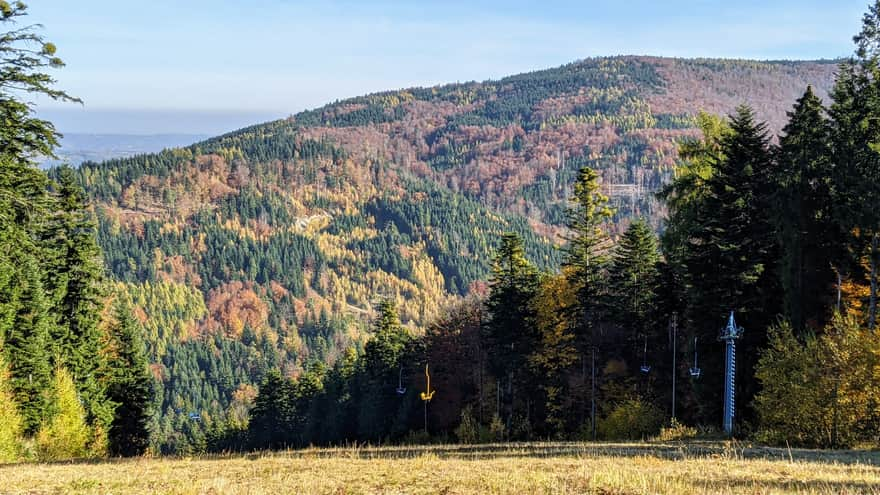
[(208, 67)]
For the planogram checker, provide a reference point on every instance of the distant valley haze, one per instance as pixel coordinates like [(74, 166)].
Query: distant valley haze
[(208, 67)]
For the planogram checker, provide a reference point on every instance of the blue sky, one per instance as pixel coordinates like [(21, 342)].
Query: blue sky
[(206, 66)]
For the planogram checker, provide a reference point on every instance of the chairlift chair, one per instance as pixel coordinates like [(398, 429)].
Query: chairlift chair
[(645, 368), (695, 370), (400, 388)]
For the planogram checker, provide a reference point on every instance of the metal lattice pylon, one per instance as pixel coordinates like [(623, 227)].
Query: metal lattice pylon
[(729, 335)]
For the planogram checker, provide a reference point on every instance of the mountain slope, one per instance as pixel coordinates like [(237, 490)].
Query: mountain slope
[(270, 245)]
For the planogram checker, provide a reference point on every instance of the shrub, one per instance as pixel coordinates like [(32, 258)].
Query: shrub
[(496, 429), (632, 419), (676, 431), (819, 391)]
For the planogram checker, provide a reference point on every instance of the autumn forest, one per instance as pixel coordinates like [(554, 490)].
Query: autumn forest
[(551, 250)]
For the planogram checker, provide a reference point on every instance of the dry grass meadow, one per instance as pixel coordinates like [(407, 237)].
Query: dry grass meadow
[(533, 468)]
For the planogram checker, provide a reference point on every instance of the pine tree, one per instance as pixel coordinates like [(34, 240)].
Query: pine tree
[(130, 387), (808, 232), (65, 434)]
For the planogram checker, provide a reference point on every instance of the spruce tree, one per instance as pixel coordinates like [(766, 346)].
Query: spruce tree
[(74, 279), (633, 279), (509, 334), (855, 114), (271, 416), (585, 264), (731, 254), (389, 339), (27, 344), (586, 252), (633, 304), (130, 387), (808, 233), (384, 356)]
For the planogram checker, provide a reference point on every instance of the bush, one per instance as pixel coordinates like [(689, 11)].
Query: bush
[(676, 431), (819, 391), (496, 429), (632, 419), (584, 432)]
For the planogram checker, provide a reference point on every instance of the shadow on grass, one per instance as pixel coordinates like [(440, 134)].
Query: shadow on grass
[(732, 483), (670, 451)]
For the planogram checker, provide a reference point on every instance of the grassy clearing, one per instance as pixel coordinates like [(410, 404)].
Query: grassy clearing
[(565, 468)]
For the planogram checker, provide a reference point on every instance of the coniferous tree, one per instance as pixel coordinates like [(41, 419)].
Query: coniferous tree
[(27, 345), (686, 193), (73, 268), (633, 313), (27, 55), (65, 434), (731, 253), (382, 361), (130, 387), (389, 339), (271, 416), (586, 253), (509, 334), (810, 237), (855, 114), (633, 282), (586, 260)]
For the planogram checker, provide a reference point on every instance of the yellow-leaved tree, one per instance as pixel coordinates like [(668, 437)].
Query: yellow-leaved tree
[(556, 349), (10, 419), (65, 435), (820, 391)]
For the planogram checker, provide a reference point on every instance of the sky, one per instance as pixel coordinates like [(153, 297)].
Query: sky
[(206, 67)]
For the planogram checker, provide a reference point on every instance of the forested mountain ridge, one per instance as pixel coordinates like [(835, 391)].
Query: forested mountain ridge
[(268, 247)]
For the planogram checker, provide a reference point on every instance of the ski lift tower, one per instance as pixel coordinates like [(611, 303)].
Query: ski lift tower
[(729, 335)]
